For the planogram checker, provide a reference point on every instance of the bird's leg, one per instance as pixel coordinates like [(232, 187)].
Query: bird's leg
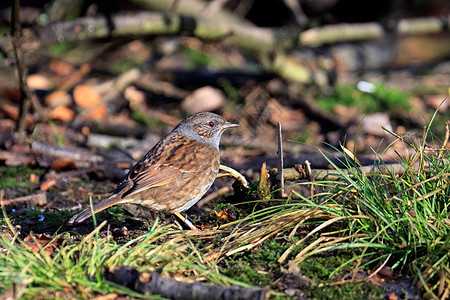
[(233, 173), (186, 221), (153, 215)]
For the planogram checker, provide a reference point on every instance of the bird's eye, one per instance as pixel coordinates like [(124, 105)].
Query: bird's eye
[(211, 124)]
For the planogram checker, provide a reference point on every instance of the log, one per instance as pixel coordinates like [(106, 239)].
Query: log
[(153, 283)]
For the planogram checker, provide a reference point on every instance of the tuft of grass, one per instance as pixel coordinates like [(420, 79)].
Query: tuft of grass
[(58, 136), (393, 215), (77, 267)]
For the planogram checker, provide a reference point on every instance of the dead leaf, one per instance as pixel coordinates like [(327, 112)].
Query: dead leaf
[(15, 159), (437, 101), (107, 297), (61, 68), (373, 123), (6, 125), (392, 296), (47, 184), (290, 119), (38, 82), (42, 241), (203, 99), (134, 96), (221, 214), (58, 98), (82, 191), (95, 113), (62, 113), (63, 163), (85, 96), (12, 112), (34, 178), (386, 272), (377, 280)]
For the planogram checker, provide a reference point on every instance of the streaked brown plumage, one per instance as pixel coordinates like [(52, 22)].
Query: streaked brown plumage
[(176, 172)]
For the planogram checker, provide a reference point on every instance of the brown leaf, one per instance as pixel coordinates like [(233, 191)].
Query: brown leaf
[(134, 96), (62, 113), (289, 118), (108, 297), (61, 68), (98, 112), (221, 214), (38, 82), (85, 96), (377, 280), (42, 241), (6, 125), (15, 159), (386, 272), (34, 178), (437, 101), (63, 163), (12, 112), (392, 296), (58, 98), (47, 184), (203, 99)]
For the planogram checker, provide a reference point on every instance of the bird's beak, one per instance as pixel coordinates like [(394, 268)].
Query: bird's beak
[(228, 125)]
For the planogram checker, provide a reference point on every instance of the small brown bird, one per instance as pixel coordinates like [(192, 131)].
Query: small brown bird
[(176, 172)]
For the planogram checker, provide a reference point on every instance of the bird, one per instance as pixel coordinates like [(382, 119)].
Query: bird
[(174, 174)]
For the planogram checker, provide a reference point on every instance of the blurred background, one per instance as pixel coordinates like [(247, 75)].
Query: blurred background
[(330, 71)]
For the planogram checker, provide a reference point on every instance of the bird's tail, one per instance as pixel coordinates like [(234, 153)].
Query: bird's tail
[(105, 203)]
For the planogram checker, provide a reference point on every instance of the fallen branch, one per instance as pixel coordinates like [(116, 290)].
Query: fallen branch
[(39, 199), (75, 154), (245, 35), (158, 87), (15, 158), (112, 88), (152, 283), (299, 172)]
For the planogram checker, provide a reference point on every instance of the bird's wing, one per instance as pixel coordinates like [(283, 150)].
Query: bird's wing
[(164, 165)]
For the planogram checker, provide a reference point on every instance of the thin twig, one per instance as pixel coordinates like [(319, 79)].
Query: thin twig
[(39, 198), (25, 97), (280, 175)]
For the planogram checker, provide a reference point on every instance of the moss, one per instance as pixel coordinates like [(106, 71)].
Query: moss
[(258, 266), (61, 48), (361, 290), (146, 120), (120, 66), (383, 98), (195, 58), (320, 268), (43, 219), (243, 271), (17, 177)]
